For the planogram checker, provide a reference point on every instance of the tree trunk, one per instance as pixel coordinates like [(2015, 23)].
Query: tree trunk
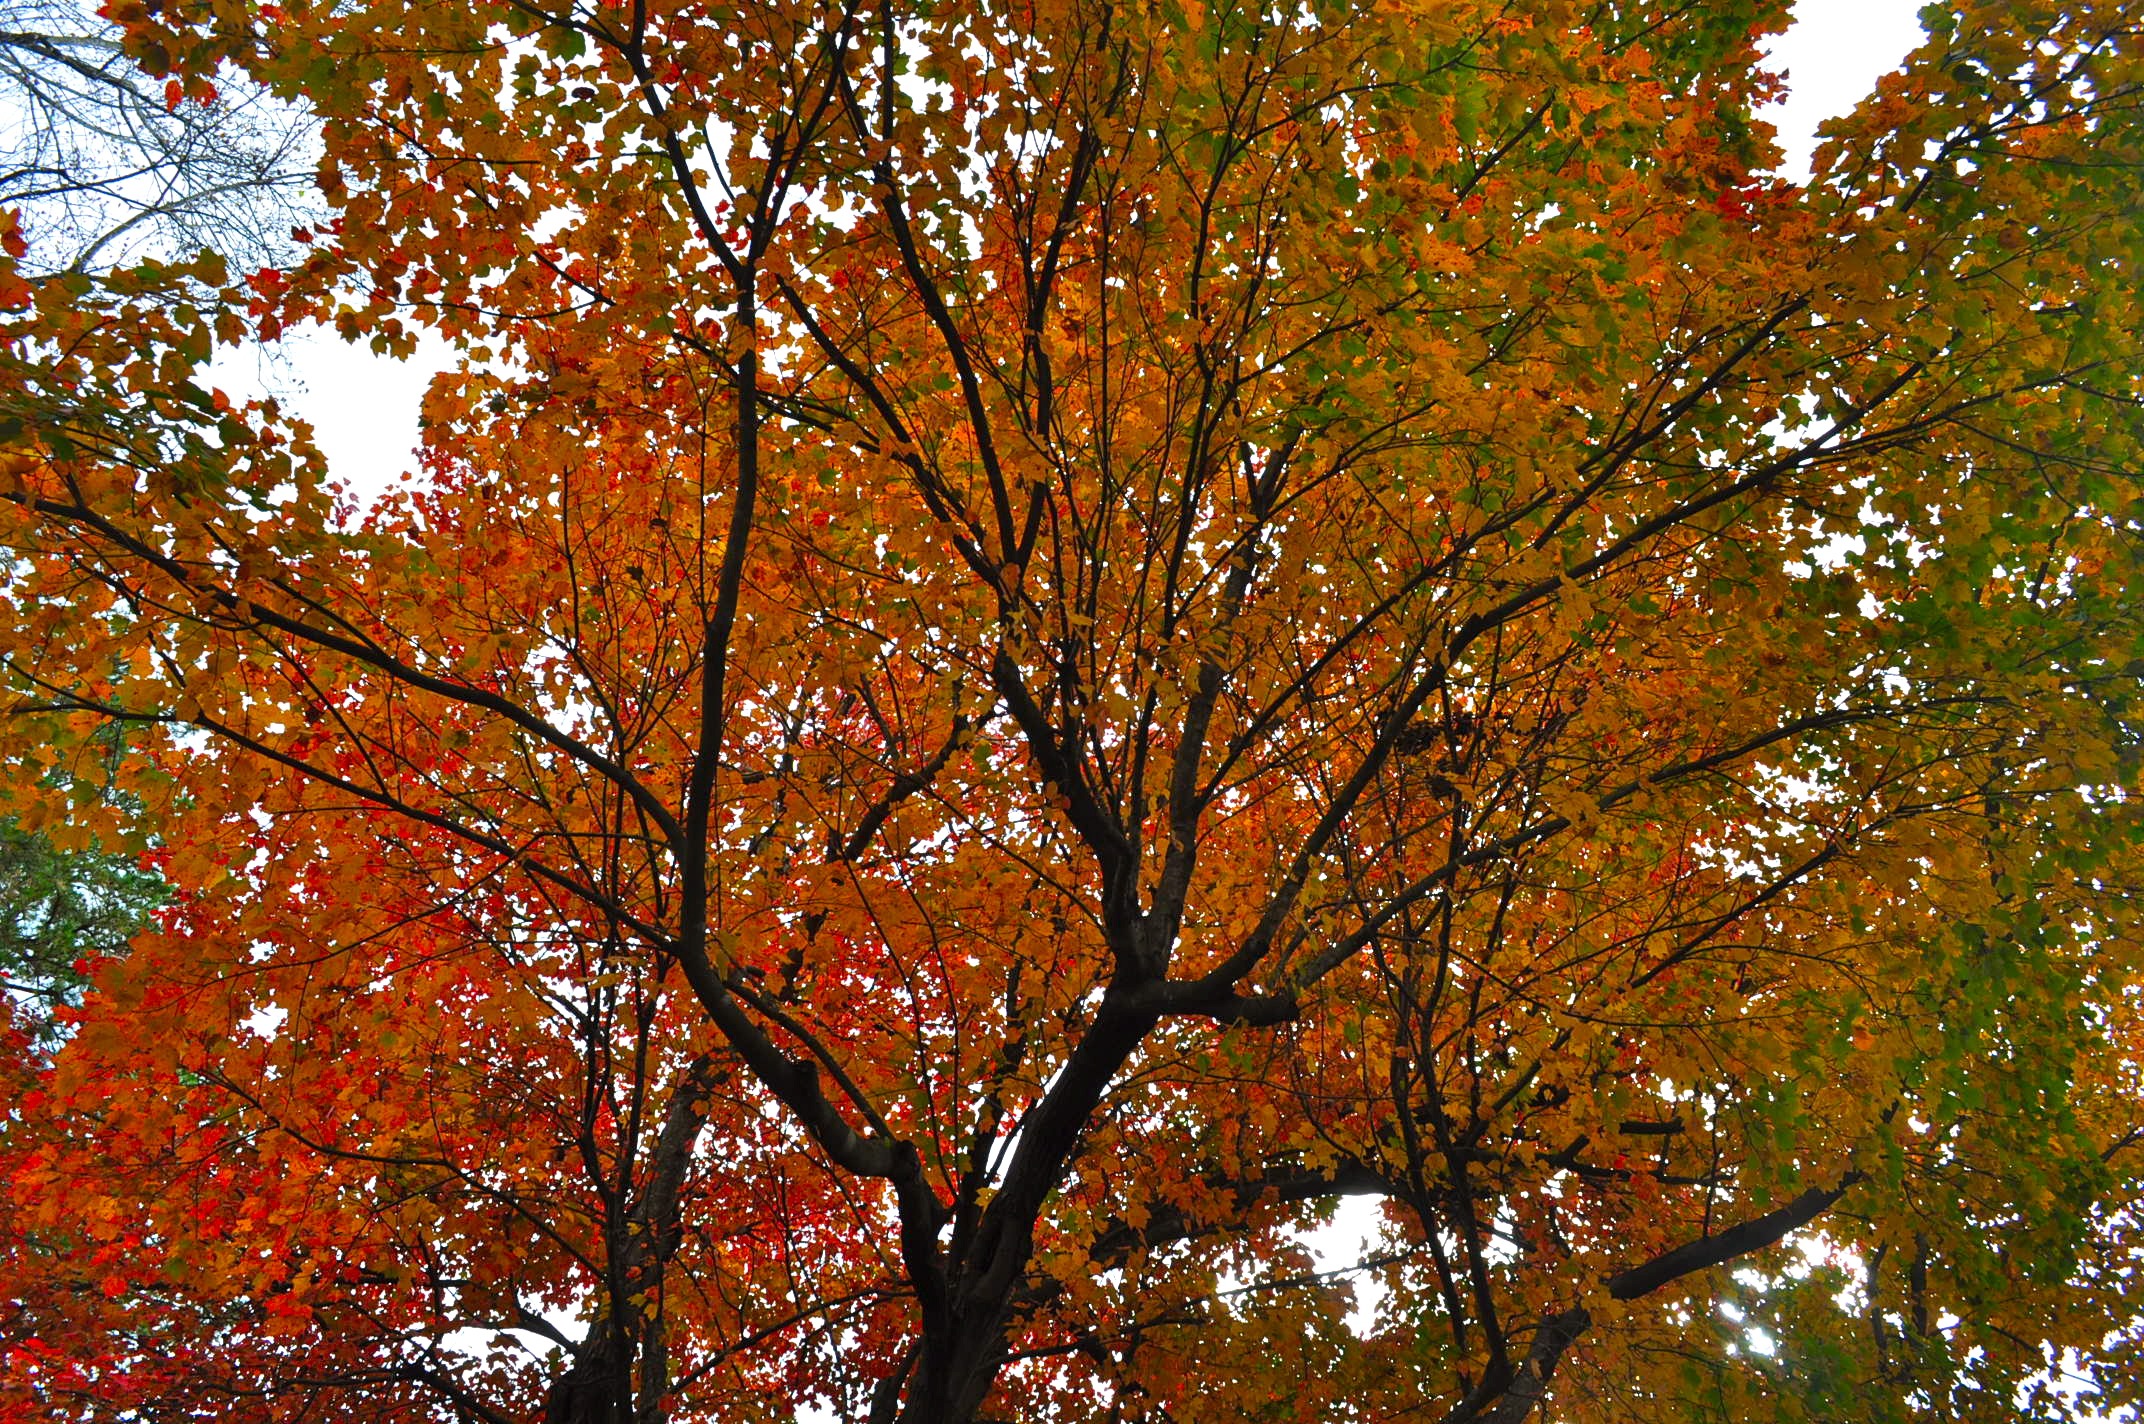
[(597, 1388)]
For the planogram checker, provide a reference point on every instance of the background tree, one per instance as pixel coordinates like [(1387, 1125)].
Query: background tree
[(58, 910), (111, 160), (1037, 641)]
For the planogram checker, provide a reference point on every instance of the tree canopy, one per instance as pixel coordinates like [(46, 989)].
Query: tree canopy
[(1035, 642)]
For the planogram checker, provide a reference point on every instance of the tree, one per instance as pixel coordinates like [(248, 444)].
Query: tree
[(112, 162), (108, 163), (1036, 642), (57, 911)]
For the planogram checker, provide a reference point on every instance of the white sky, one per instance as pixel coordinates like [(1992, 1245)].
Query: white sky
[(363, 407), (1832, 57)]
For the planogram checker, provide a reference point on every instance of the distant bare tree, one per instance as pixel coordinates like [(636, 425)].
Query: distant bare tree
[(106, 169)]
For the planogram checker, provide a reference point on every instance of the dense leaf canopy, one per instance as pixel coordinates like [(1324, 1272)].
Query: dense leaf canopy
[(1035, 642)]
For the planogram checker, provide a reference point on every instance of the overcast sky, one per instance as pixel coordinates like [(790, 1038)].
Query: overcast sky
[(363, 408)]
